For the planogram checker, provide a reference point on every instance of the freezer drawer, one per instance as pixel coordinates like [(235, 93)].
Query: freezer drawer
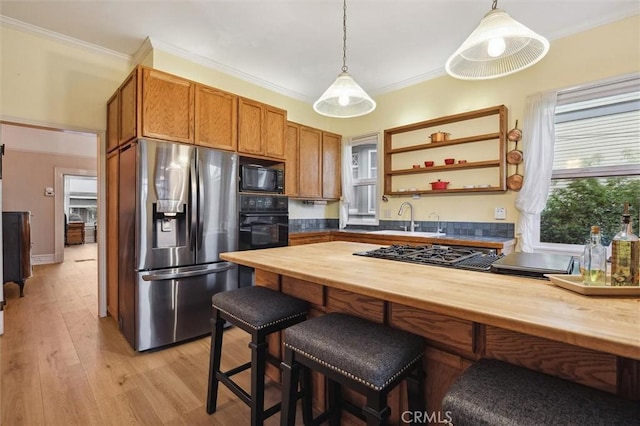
[(175, 304)]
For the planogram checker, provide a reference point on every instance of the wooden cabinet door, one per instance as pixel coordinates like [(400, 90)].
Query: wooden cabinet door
[(250, 116), (216, 118), (291, 171), (113, 136), (112, 233), (275, 124), (310, 163), (167, 106), (128, 107), (331, 165)]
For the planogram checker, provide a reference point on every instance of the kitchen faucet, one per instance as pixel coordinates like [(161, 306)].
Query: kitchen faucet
[(412, 225), (438, 229)]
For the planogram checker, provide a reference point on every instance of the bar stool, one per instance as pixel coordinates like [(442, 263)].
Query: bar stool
[(259, 311), (492, 392), (367, 357)]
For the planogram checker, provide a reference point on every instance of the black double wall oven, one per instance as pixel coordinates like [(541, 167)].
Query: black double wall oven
[(264, 223)]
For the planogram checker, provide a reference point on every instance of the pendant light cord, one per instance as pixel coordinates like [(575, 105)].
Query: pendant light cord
[(494, 5), (344, 36)]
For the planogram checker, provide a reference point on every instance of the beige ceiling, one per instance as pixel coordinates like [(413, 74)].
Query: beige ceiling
[(295, 46)]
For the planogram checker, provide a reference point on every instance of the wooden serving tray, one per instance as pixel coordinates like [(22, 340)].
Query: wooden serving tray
[(574, 283)]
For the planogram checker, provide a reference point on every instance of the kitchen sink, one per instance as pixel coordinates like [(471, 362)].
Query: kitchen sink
[(407, 233)]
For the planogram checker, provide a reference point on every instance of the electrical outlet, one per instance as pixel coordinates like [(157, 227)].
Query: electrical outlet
[(500, 213), (386, 213)]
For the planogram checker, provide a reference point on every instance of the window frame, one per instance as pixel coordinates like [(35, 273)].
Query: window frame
[(366, 139), (572, 95)]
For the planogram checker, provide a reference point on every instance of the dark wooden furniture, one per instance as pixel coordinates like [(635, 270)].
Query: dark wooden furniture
[(16, 247), (75, 233)]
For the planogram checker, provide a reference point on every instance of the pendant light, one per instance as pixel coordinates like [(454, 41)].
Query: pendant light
[(344, 98), (498, 47)]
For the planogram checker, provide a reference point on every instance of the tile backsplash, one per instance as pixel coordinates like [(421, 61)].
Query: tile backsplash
[(475, 229)]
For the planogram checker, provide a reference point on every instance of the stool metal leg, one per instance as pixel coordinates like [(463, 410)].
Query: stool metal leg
[(214, 362), (290, 372), (258, 365)]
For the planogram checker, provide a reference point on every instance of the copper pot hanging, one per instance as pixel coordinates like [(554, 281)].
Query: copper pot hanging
[(514, 134), (514, 182), (514, 156)]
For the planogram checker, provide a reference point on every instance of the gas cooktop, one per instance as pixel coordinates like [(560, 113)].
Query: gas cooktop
[(453, 257)]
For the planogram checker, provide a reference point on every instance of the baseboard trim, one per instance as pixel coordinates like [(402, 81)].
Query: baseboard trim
[(42, 259)]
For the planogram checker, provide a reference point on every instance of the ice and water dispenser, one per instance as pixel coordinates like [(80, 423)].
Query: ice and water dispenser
[(171, 208)]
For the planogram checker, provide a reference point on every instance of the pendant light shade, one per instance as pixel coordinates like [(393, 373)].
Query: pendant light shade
[(344, 98), (498, 47)]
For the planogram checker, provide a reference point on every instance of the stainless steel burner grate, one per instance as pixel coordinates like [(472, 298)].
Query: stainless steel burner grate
[(455, 257)]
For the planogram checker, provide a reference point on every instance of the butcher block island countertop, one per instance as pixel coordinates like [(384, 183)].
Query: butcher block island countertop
[(530, 306), (462, 315)]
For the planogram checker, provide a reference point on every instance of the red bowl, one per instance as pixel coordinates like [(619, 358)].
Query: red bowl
[(428, 163), (449, 160)]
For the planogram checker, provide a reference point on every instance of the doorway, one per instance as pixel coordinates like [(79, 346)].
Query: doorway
[(47, 154)]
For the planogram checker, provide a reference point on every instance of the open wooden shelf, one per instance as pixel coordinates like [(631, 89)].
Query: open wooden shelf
[(499, 164)]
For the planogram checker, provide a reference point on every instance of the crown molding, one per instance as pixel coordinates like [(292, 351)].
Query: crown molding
[(209, 63), (145, 48), (412, 81), (60, 38)]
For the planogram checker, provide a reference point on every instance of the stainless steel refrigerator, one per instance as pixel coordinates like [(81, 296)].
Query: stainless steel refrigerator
[(177, 213)]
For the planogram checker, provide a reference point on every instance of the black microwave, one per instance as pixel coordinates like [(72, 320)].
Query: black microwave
[(255, 178)]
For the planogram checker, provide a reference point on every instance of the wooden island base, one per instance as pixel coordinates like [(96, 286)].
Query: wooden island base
[(455, 338)]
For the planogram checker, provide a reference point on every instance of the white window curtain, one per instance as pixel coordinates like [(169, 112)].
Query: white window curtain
[(538, 130), (347, 186)]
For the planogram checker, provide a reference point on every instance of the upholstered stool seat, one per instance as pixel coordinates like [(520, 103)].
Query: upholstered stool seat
[(255, 308), (259, 311), (492, 392), (367, 357)]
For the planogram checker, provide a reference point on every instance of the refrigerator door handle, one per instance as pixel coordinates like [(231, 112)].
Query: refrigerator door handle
[(200, 236), (173, 274), (195, 209)]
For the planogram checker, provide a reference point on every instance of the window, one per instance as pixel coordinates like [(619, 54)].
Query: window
[(596, 166), (363, 205)]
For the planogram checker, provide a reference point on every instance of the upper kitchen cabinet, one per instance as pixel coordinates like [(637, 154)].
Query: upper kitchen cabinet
[(167, 106), (113, 137), (216, 118), (331, 166), (128, 108), (310, 163), (151, 103), (121, 113), (291, 168), (261, 129), (316, 167)]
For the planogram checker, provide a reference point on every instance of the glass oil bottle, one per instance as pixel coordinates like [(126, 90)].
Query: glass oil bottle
[(625, 254), (593, 263)]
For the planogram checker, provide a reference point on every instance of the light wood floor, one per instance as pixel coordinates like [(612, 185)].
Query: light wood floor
[(63, 365)]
